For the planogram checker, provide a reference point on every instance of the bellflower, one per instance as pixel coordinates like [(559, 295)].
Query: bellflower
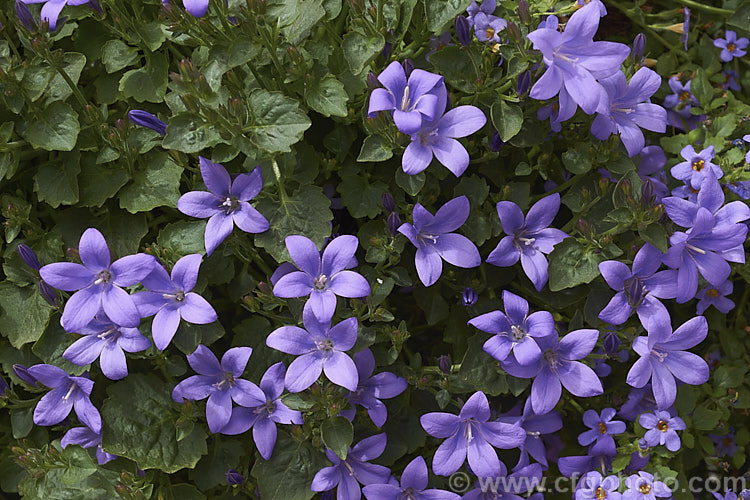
[(469, 297), (471, 436), (638, 289), (640, 400), (487, 7), (696, 166), (551, 112), (148, 120), (487, 27), (642, 486), (535, 426), (170, 299), (24, 15), (98, 283), (650, 170), (664, 358), (558, 367), (598, 3), (731, 46), (86, 438), (234, 478), (715, 296), (68, 393), (413, 485), (372, 388), (434, 237), (320, 348), (626, 106), (226, 203), (595, 487), (730, 80), (529, 238), (322, 278), (662, 429), (348, 474), (420, 98), (52, 8), (681, 96), (512, 487), (574, 62), (30, 259), (107, 341), (515, 330), (196, 8), (724, 444), (263, 414), (602, 428), (598, 457), (220, 383), (438, 138)]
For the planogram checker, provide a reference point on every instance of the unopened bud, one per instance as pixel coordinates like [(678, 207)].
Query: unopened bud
[(523, 12), (444, 363), (372, 81), (408, 65), (469, 297), (463, 29), (496, 143), (523, 83), (394, 222), (388, 202), (639, 43)]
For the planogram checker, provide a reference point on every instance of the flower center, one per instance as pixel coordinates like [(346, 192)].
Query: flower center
[(727, 441), (600, 493), (230, 204), (731, 47), (268, 408), (662, 426), (320, 282), (602, 428), (490, 33), (551, 359), (634, 290), (405, 99), (698, 165), (408, 494), (426, 238), (527, 242), (517, 332), (695, 249), (179, 295), (70, 391), (713, 293), (103, 277), (684, 96), (661, 356), (325, 345), (227, 381), (107, 333), (645, 488)]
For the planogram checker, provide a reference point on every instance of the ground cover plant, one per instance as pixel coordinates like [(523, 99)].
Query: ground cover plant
[(392, 249)]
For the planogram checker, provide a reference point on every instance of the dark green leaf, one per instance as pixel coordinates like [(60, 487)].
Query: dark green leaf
[(507, 119), (54, 129), (189, 133), (440, 12), (148, 83), (156, 186), (290, 471), (24, 313), (337, 434), (360, 49), (57, 184), (277, 122), (374, 149), (116, 55), (327, 96), (571, 264)]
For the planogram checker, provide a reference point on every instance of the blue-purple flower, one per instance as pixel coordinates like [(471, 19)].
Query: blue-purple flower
[(710, 295), (642, 486), (535, 426), (413, 486), (52, 8), (731, 46), (696, 166), (68, 393), (86, 438), (148, 120), (601, 428), (595, 487), (662, 429)]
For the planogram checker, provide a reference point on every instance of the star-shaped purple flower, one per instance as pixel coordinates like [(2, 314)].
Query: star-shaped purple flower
[(515, 330), (68, 393), (535, 426), (196, 8), (220, 383), (355, 470), (322, 278), (435, 240), (52, 8), (715, 296), (642, 486), (487, 27), (696, 165), (265, 413), (511, 487), (86, 438), (602, 428), (372, 388), (471, 436), (107, 341), (662, 429), (413, 486), (171, 299), (226, 203), (731, 46), (595, 487), (98, 282), (664, 358), (529, 238), (320, 349)]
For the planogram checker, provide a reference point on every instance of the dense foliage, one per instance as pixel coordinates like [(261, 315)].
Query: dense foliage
[(393, 248)]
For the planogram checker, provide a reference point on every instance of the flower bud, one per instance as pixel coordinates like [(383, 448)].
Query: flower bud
[(3, 388), (408, 65), (24, 15), (234, 478), (444, 363), (394, 222), (469, 297), (48, 292), (96, 7), (639, 43), (28, 256), (388, 202), (463, 29), (372, 81), (23, 373), (523, 12), (611, 342), (523, 83), (496, 142)]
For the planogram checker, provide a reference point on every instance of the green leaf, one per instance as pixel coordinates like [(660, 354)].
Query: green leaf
[(79, 465), (222, 455), (98, 183), (54, 129), (374, 148), (656, 235), (57, 184), (59, 90), (507, 119), (701, 87), (305, 212), (51, 346), (124, 231), (571, 264), (189, 133), (182, 238), (705, 419), (290, 471), (481, 370), (440, 12), (361, 197), (337, 434), (412, 184), (24, 313), (456, 67), (50, 485), (295, 17), (157, 186), (327, 96), (148, 83), (139, 420), (577, 159), (740, 20), (21, 421), (276, 121), (117, 55), (360, 50)]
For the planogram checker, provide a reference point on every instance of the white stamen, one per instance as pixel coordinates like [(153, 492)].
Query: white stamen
[(405, 99), (695, 249), (70, 391)]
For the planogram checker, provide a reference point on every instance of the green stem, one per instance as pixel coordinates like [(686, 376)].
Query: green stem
[(61, 71), (706, 8)]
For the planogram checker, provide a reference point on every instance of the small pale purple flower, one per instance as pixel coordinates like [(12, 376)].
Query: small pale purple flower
[(434, 237), (529, 238), (662, 429), (696, 166), (98, 282), (68, 393), (413, 486), (148, 120), (171, 299), (715, 296), (487, 7), (731, 46), (86, 438), (487, 27), (470, 435), (602, 428), (595, 487), (642, 486), (320, 349), (322, 278), (724, 444), (535, 426)]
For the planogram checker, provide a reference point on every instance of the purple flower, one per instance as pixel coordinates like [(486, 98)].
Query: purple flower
[(421, 97), (528, 238), (598, 3), (372, 388), (681, 96), (559, 366), (146, 119), (595, 487), (68, 393), (487, 27), (512, 487), (650, 170), (28, 256), (438, 138), (487, 8), (642, 486), (602, 428), (638, 289), (263, 414), (640, 400), (731, 46), (626, 106), (471, 435), (469, 297), (226, 203), (171, 299), (535, 426), (725, 444), (322, 278), (551, 112), (413, 485), (664, 358), (639, 43), (662, 429), (23, 373), (515, 332), (439, 43), (320, 348), (598, 457), (52, 8), (348, 474), (196, 8), (234, 478), (86, 438), (24, 15), (685, 34), (715, 296), (435, 240), (98, 282), (731, 495), (107, 341), (220, 383), (574, 62), (696, 166)]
